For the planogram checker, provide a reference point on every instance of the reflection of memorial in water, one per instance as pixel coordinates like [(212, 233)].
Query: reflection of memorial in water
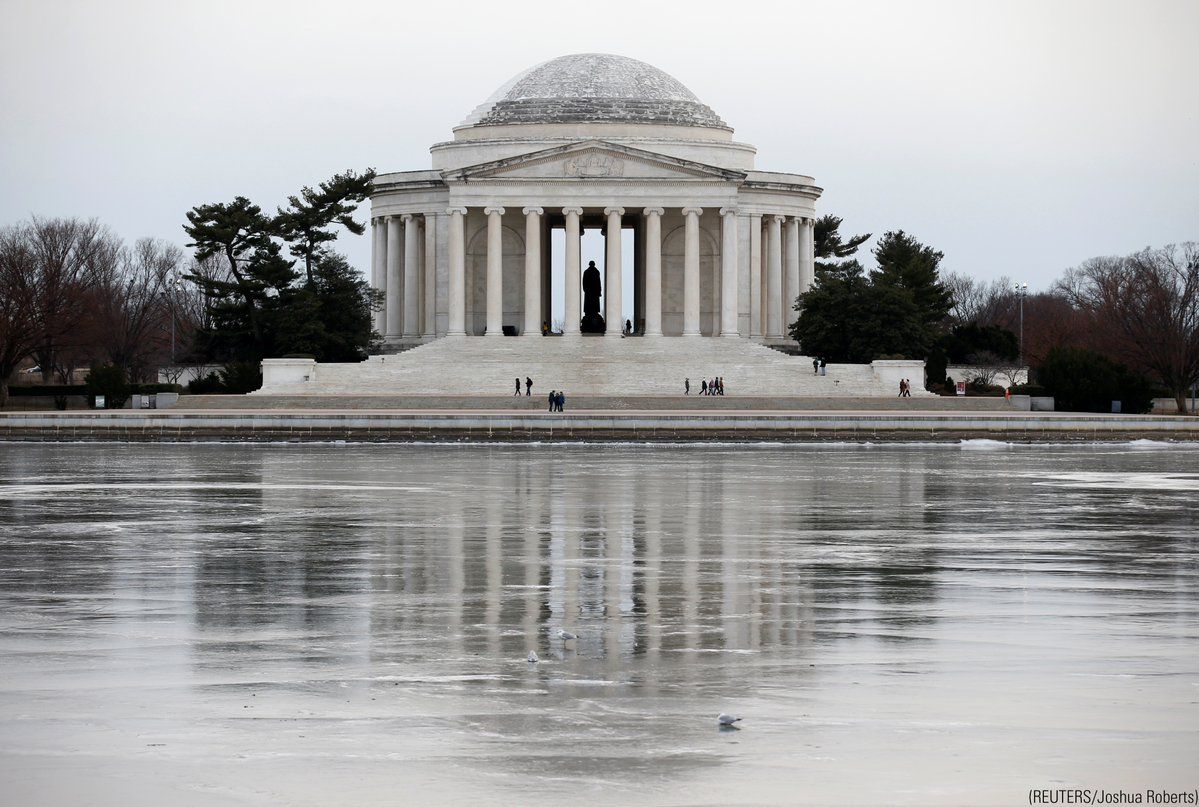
[(650, 562)]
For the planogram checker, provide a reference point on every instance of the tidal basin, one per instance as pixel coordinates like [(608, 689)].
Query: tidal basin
[(323, 624)]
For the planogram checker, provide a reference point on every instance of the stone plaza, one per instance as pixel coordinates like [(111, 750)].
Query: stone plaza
[(463, 252)]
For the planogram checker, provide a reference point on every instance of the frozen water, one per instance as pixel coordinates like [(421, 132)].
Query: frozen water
[(348, 624)]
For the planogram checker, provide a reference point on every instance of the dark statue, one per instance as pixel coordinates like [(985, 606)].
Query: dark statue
[(593, 321)]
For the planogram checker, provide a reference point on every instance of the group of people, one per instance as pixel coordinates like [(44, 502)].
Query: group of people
[(819, 367), (905, 388), (557, 397), (713, 386)]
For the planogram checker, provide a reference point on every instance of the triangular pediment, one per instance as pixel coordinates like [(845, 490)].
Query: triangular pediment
[(593, 160)]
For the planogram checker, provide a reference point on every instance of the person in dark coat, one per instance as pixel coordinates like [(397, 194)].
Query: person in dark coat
[(553, 399), (686, 386), (528, 386), (517, 387)]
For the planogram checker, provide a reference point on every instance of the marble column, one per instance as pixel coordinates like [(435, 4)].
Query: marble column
[(412, 245), (613, 274), (457, 285), (653, 270), (807, 255), (495, 271), (691, 271), (379, 268), (574, 271), (728, 272), (755, 277), (430, 324), (792, 278), (532, 271), (394, 282), (774, 278)]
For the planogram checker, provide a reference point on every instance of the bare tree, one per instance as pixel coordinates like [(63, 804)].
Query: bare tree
[(18, 327), (1146, 307), (133, 304), (65, 255), (980, 301)]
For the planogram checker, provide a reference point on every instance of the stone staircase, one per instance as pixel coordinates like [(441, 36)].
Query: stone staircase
[(588, 365)]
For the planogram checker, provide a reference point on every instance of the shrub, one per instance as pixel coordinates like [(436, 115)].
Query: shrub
[(108, 380), (934, 368), (208, 385), (1028, 389), (240, 377), (1084, 381)]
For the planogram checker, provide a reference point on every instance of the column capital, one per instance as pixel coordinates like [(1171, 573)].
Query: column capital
[(532, 211), (728, 211), (566, 211), (493, 209), (407, 217), (809, 221), (653, 211), (687, 211), (778, 219), (449, 211), (608, 211)]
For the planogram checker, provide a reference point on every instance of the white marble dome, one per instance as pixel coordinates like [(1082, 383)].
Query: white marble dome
[(594, 88)]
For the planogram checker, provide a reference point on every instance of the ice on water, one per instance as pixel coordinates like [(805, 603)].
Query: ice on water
[(313, 625)]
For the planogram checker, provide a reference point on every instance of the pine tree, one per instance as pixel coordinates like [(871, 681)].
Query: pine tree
[(306, 224)]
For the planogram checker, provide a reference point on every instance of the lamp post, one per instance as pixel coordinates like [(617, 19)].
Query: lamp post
[(172, 298), (1021, 290)]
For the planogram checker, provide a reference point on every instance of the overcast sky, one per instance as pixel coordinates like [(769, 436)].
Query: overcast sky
[(1020, 138)]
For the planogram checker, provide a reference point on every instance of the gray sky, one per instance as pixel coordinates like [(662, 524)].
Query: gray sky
[(1018, 137)]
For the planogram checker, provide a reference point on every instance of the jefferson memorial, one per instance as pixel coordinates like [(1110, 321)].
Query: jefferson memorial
[(464, 252)]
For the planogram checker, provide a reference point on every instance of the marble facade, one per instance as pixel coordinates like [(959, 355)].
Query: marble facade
[(591, 141)]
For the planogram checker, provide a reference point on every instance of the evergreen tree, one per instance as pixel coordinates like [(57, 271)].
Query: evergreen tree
[(828, 242), (905, 263), (306, 224), (260, 308), (235, 231), (331, 319), (848, 318), (244, 313)]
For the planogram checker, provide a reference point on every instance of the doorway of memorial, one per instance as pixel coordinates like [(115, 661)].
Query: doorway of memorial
[(592, 285)]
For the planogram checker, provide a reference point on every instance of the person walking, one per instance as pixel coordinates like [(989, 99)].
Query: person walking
[(703, 386), (815, 366), (561, 401), (553, 399), (528, 386), (907, 388), (901, 384), (686, 386), (517, 387), (823, 367)]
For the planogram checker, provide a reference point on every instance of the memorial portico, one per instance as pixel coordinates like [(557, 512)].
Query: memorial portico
[(581, 143)]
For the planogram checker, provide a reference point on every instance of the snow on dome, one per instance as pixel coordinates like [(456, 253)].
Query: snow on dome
[(594, 87)]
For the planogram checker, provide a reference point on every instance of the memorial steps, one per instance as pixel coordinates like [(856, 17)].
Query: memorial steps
[(587, 365)]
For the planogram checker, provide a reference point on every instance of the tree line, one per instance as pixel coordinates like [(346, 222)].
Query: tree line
[(1132, 320), (75, 295)]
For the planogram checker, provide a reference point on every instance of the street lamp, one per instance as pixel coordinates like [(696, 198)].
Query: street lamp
[(173, 297), (1021, 290)]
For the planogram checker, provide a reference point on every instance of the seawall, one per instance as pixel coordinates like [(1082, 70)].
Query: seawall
[(309, 425)]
